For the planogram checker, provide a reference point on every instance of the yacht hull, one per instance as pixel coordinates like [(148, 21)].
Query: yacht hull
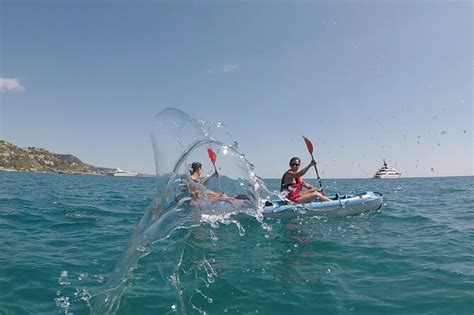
[(387, 176)]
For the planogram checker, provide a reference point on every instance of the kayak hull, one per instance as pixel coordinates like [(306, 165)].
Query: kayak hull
[(343, 206)]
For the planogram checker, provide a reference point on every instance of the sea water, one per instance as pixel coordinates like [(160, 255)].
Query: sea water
[(62, 237)]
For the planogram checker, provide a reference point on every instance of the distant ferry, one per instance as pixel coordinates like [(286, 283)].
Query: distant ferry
[(387, 172), (122, 173)]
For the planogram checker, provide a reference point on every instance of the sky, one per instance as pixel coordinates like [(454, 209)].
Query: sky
[(364, 80)]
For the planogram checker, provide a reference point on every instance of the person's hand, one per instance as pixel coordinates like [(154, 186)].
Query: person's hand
[(215, 174), (312, 163)]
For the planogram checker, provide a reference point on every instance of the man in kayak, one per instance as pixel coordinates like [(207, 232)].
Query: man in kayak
[(292, 184), (195, 170)]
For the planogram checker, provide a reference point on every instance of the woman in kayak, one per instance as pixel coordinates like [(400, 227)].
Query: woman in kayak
[(196, 170), (292, 184)]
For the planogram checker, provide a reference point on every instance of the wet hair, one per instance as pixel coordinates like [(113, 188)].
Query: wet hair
[(194, 167), (294, 159)]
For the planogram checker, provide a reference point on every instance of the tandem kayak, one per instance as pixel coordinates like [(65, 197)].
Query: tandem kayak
[(339, 206)]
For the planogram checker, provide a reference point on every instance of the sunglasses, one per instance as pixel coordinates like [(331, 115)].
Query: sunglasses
[(295, 164)]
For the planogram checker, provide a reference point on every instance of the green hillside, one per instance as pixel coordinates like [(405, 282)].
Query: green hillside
[(34, 159)]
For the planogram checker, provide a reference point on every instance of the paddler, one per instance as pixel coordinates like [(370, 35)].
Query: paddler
[(293, 184)]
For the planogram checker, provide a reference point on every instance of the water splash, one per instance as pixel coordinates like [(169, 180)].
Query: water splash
[(63, 278), (183, 206)]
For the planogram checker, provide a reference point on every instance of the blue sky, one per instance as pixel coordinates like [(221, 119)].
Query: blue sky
[(364, 80)]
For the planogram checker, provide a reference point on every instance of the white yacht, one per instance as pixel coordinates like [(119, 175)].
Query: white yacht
[(122, 173), (387, 172)]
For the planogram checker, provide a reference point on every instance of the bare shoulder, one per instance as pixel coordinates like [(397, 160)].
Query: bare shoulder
[(289, 175)]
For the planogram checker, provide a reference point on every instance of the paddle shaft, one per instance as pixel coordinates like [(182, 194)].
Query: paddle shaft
[(317, 174), (215, 170), (218, 178)]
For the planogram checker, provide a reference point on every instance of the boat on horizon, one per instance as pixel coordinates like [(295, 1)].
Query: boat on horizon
[(122, 173), (387, 172)]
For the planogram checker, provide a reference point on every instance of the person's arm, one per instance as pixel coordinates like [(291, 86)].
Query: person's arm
[(302, 171), (309, 186), (306, 185), (204, 182)]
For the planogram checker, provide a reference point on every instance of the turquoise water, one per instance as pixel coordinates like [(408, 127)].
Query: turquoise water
[(61, 237)]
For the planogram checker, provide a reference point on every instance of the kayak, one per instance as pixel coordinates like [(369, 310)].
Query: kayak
[(339, 206)]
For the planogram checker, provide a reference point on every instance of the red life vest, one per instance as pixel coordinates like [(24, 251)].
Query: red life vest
[(293, 190)]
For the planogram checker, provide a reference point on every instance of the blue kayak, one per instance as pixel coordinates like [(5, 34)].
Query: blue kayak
[(339, 206)]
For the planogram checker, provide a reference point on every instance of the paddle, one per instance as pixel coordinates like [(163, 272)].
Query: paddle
[(213, 157), (309, 146)]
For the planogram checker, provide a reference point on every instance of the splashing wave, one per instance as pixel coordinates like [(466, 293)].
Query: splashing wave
[(182, 206)]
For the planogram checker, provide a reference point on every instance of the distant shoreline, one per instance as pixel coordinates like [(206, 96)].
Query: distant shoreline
[(31, 159), (7, 170), (70, 173), (148, 176)]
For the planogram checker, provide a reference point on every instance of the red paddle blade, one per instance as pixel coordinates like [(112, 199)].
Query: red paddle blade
[(212, 156), (309, 145)]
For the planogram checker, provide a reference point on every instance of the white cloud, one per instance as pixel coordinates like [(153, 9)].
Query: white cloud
[(230, 68), (10, 84)]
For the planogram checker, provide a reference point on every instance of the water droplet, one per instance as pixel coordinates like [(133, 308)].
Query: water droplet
[(83, 276), (173, 307), (241, 229), (141, 248), (83, 294), (329, 270), (63, 302), (214, 238), (63, 278)]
